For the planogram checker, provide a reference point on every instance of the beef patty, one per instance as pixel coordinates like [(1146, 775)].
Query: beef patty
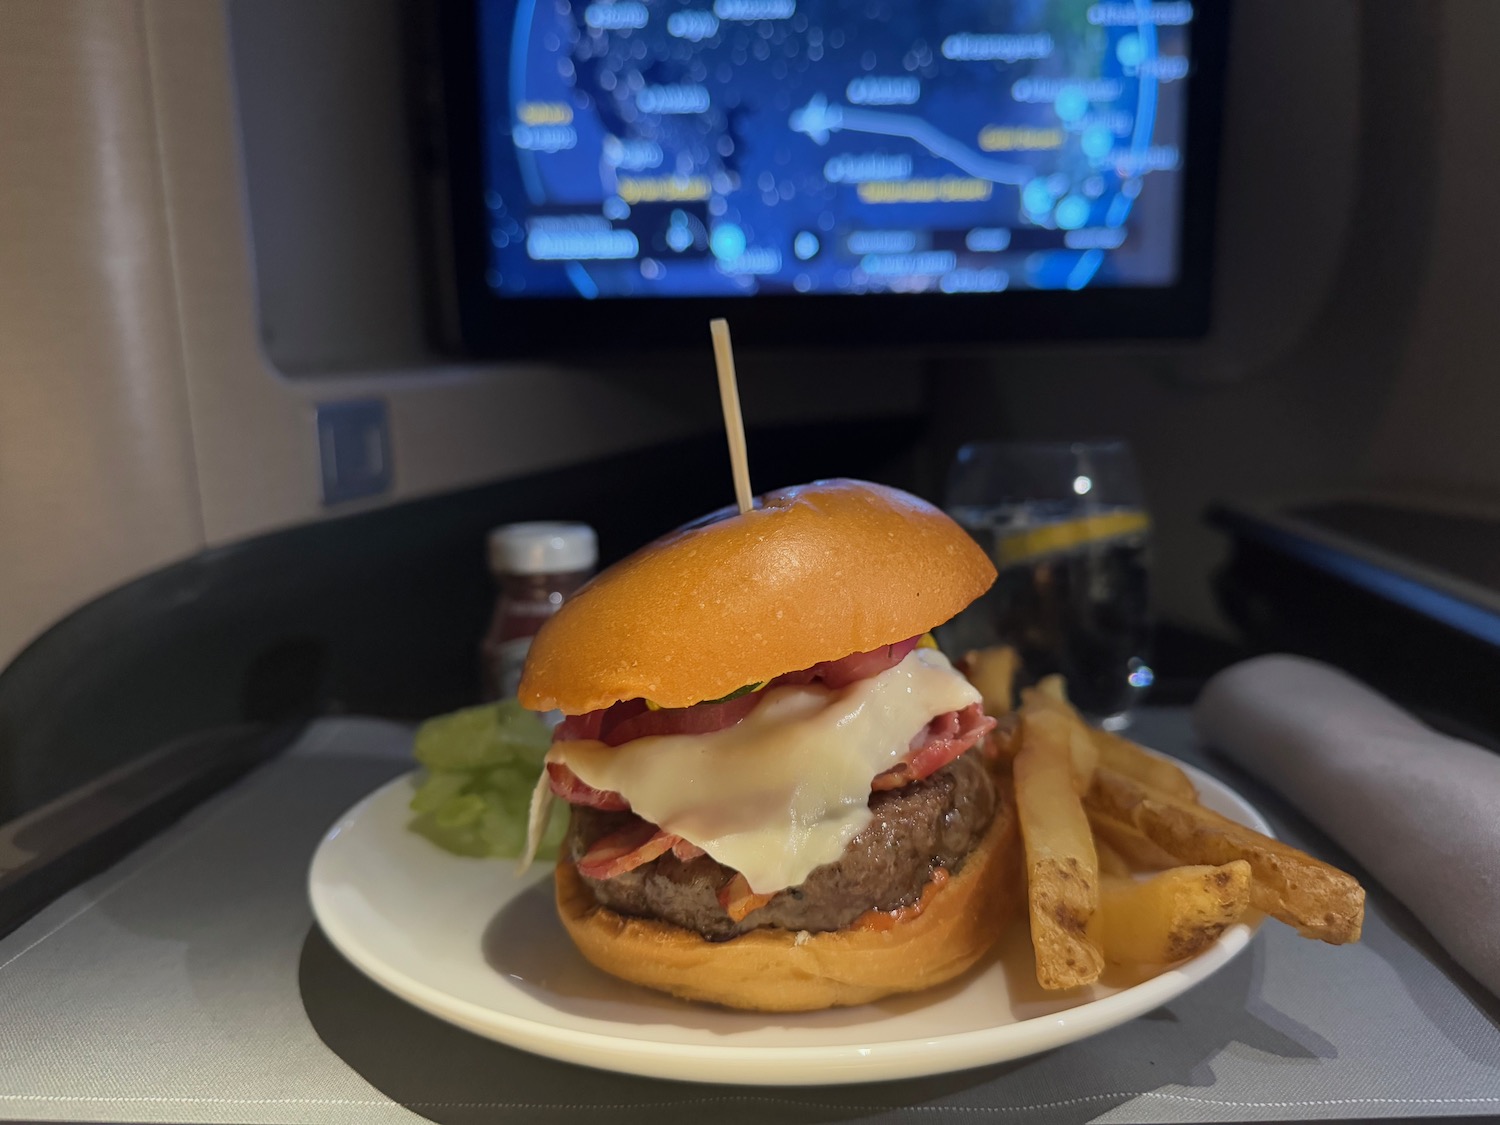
[(931, 823)]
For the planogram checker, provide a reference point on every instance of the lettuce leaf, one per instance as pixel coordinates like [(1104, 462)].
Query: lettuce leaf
[(482, 765)]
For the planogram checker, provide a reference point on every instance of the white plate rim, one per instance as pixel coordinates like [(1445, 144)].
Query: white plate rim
[(788, 1066)]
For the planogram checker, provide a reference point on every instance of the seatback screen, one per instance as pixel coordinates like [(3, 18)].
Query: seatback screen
[(720, 148)]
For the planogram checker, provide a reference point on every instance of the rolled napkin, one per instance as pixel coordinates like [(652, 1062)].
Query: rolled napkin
[(1419, 810)]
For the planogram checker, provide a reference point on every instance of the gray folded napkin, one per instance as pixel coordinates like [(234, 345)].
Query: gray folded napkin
[(1420, 810)]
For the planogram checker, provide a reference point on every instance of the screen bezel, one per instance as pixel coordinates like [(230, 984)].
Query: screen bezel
[(497, 327)]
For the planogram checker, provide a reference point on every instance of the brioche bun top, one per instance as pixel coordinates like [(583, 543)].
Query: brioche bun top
[(812, 573)]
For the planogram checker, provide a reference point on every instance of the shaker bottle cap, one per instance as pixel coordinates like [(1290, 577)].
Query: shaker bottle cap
[(542, 547)]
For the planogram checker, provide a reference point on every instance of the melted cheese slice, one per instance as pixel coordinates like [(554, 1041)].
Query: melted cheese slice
[(785, 789)]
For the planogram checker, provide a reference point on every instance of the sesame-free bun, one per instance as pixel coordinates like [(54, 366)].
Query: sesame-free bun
[(778, 971), (813, 573)]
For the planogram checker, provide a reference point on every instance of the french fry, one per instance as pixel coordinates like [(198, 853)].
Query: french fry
[(1320, 901), (1124, 756), (993, 672), (1171, 916), (1117, 753), (1061, 721), (1085, 757), (1137, 849), (1062, 868), (1095, 809), (1111, 862), (1004, 742), (1050, 695)]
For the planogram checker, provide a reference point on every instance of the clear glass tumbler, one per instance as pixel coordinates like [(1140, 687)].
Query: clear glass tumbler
[(1067, 527)]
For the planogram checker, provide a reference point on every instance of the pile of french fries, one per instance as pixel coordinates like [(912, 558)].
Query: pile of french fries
[(1123, 865)]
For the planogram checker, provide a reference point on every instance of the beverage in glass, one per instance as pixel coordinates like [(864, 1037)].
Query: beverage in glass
[(1069, 535)]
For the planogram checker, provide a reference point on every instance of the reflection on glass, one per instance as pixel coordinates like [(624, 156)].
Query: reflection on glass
[(1067, 529)]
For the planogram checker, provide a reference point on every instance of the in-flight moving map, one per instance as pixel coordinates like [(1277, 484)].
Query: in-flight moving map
[(648, 148)]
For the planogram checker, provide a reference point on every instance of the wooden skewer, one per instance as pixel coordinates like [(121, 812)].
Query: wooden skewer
[(734, 424)]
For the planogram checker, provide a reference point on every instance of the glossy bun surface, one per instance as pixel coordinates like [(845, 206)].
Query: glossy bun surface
[(813, 573)]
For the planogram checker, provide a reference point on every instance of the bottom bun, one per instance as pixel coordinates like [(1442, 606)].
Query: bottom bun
[(779, 971)]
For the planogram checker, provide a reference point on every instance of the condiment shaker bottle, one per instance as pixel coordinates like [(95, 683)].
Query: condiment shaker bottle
[(537, 566)]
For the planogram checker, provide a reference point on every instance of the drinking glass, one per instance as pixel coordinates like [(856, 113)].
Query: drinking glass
[(1066, 526)]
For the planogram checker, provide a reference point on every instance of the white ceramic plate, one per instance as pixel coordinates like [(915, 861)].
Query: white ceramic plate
[(474, 944)]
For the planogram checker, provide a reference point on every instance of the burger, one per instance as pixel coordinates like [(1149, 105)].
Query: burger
[(778, 790)]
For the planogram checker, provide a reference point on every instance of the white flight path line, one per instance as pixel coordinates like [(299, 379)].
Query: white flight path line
[(818, 119)]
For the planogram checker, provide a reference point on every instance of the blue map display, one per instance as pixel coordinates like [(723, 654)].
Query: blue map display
[(650, 148)]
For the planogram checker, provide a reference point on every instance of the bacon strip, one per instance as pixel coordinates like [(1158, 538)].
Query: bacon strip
[(567, 785), (935, 745), (738, 899), (625, 850), (943, 739)]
